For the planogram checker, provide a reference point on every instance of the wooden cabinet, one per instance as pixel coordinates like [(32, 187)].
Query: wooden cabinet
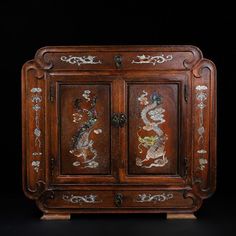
[(119, 129)]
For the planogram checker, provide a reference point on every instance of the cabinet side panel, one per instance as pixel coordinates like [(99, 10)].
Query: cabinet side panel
[(33, 103), (204, 127)]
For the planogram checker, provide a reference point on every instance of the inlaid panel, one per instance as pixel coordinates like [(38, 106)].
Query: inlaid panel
[(84, 129), (153, 128)]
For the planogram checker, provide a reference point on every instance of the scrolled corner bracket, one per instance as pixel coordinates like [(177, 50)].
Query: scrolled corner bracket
[(80, 60), (154, 60), (196, 200), (199, 186), (40, 187), (41, 202), (35, 67), (188, 63), (201, 65), (40, 59)]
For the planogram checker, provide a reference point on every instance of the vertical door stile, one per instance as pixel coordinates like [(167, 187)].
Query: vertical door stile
[(115, 130), (122, 130)]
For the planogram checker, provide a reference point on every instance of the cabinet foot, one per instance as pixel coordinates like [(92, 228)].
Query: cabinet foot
[(48, 216), (176, 216)]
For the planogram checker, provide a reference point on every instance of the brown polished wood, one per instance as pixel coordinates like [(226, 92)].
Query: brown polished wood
[(172, 216), (55, 217), (119, 129)]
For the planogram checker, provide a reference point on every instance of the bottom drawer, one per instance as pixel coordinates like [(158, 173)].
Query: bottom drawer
[(155, 199), (118, 199)]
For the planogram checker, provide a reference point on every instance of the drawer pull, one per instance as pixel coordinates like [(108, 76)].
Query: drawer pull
[(118, 61), (118, 199)]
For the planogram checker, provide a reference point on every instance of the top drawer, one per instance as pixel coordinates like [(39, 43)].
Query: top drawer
[(119, 58)]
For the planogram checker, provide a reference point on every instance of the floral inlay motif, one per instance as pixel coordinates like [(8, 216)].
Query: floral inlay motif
[(79, 60), (86, 117), (152, 116), (143, 59), (202, 163), (201, 96), (36, 99), (36, 165)]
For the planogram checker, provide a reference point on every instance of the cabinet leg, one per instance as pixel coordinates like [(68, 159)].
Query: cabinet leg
[(176, 216), (52, 216)]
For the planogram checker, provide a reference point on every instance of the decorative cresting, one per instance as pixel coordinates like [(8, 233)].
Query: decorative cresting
[(80, 199), (80, 60), (85, 116), (154, 198), (152, 116), (201, 96), (36, 99), (143, 59)]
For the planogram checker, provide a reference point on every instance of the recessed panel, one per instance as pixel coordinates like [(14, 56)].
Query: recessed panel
[(84, 129), (153, 128)]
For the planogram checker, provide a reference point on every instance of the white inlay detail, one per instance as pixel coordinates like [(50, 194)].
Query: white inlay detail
[(201, 96), (36, 165), (36, 99), (80, 199), (153, 142), (154, 198), (201, 151), (79, 60), (97, 131), (37, 153), (159, 59)]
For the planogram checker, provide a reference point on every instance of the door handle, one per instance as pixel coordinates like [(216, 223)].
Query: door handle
[(115, 120), (119, 119), (122, 120)]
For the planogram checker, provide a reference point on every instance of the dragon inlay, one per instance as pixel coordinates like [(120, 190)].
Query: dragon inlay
[(86, 117), (152, 116)]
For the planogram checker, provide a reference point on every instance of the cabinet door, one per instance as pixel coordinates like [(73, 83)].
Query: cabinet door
[(82, 137), (154, 146)]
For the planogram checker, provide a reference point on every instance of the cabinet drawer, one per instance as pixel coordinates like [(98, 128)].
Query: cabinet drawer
[(119, 199), (155, 199), (105, 59), (82, 199)]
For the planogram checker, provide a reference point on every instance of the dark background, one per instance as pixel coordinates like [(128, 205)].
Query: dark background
[(25, 27)]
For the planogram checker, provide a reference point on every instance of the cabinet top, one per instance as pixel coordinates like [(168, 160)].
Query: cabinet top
[(135, 57)]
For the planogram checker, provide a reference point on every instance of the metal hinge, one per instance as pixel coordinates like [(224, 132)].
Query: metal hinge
[(186, 162), (52, 165), (186, 93), (51, 93)]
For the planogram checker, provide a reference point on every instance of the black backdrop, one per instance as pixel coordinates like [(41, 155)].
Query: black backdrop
[(25, 27)]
